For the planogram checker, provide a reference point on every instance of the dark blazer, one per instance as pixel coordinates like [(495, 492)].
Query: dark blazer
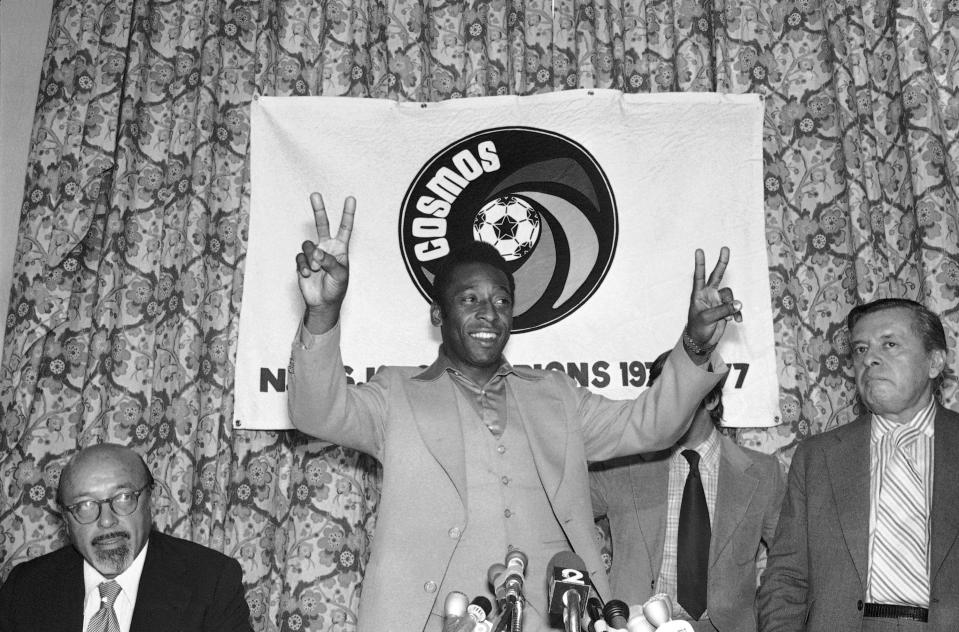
[(184, 587), (749, 495), (817, 571)]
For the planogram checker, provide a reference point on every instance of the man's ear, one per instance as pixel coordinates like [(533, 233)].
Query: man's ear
[(711, 401), (937, 363), (436, 314)]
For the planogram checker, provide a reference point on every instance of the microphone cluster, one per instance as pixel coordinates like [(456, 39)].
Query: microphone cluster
[(508, 583), (656, 615), (568, 598)]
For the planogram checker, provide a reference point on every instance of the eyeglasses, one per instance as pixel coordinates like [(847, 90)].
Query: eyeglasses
[(123, 504)]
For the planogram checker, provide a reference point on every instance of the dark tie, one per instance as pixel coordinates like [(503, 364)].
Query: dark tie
[(692, 555), (105, 619)]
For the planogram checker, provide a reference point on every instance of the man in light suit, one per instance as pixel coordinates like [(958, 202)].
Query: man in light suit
[(117, 575), (867, 533), (479, 457), (640, 495)]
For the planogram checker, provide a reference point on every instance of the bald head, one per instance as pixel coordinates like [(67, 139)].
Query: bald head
[(105, 494), (110, 452)]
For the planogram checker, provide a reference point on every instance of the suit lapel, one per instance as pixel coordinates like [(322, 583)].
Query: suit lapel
[(650, 483), (736, 488), (562, 473), (64, 582), (548, 443), (162, 596), (847, 461), (945, 505), (440, 431)]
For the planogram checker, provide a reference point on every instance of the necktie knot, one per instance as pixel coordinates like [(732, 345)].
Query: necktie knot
[(693, 457), (109, 592), (105, 619)]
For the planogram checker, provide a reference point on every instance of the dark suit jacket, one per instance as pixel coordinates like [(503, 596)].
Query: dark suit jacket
[(749, 495), (817, 571), (184, 586)]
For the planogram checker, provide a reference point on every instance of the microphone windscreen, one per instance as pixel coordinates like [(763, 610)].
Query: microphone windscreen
[(483, 604), (594, 608), (658, 609), (616, 613), (516, 561), (495, 572), (456, 603), (638, 623), (566, 571), (565, 559)]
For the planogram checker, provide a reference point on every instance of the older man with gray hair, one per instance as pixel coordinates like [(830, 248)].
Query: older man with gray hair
[(867, 533)]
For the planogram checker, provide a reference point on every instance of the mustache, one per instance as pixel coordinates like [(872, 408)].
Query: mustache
[(110, 536)]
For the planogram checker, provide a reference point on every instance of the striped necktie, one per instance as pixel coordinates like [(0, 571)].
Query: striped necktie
[(900, 571), (105, 619)]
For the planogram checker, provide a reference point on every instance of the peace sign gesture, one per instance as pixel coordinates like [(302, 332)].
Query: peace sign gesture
[(324, 268), (710, 307)]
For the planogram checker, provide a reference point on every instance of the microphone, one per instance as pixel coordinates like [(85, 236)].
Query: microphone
[(455, 605), (595, 611), (658, 610), (479, 609), (516, 562), (616, 613), (568, 588), (507, 581), (496, 576), (455, 618), (638, 623)]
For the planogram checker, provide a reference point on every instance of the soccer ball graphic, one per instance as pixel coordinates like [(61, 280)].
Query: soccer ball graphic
[(510, 224)]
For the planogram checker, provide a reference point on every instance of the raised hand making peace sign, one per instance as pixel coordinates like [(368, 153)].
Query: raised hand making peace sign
[(324, 268), (710, 307)]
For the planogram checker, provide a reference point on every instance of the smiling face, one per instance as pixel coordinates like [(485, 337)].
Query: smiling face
[(111, 542), (894, 370), (475, 319)]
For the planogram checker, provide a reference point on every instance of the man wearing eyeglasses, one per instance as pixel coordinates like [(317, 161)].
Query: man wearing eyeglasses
[(117, 574)]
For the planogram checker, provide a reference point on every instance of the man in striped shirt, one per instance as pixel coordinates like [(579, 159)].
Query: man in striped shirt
[(868, 529)]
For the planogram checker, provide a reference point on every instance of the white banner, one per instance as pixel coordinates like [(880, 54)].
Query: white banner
[(597, 198)]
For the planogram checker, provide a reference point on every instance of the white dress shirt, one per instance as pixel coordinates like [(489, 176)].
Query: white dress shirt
[(129, 581)]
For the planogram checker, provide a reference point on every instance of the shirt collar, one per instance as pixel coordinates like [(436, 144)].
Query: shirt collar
[(921, 422), (443, 364), (129, 579), (708, 450)]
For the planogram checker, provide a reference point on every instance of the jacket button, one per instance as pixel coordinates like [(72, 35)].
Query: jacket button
[(455, 533), (430, 586), (859, 604)]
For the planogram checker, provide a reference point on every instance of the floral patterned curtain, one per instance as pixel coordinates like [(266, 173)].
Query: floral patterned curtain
[(130, 257)]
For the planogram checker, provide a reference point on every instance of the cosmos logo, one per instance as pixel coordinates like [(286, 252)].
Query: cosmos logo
[(540, 198)]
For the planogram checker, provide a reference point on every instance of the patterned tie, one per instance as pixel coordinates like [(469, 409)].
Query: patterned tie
[(899, 572), (105, 619), (692, 542)]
